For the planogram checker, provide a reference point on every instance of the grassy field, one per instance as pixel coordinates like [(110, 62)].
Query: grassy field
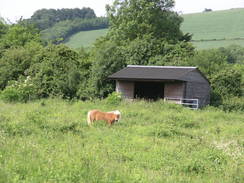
[(226, 24), (84, 38), (215, 25), (218, 25), (49, 141)]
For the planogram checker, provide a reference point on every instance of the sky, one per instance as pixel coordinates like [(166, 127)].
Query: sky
[(12, 10)]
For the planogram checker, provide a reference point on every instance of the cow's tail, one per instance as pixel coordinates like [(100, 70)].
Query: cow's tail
[(89, 118)]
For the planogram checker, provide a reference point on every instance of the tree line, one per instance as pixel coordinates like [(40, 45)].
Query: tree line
[(46, 18), (58, 25), (141, 33), (64, 29)]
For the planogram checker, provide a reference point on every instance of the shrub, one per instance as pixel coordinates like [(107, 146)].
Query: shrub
[(10, 94), (58, 73), (233, 104), (216, 99), (227, 83), (19, 91), (114, 98)]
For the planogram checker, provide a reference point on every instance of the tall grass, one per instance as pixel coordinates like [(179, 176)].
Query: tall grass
[(49, 141)]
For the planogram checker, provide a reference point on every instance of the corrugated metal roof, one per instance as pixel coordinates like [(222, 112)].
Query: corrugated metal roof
[(152, 72)]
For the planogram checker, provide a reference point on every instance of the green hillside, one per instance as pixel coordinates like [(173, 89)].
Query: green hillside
[(85, 38), (215, 29), (215, 25), (209, 29)]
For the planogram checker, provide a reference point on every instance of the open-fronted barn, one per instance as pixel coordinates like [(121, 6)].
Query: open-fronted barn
[(185, 85)]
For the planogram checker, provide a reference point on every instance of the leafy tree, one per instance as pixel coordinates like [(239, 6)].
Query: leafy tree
[(130, 19), (54, 70), (18, 46), (85, 74), (240, 68), (62, 30), (107, 58), (19, 91), (151, 51), (141, 32), (46, 18), (3, 29), (16, 60), (209, 61), (58, 72), (234, 54), (227, 83), (20, 35)]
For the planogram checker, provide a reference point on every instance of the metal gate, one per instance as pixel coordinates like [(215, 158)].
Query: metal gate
[(191, 103)]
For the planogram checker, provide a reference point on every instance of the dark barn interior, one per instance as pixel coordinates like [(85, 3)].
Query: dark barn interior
[(149, 90)]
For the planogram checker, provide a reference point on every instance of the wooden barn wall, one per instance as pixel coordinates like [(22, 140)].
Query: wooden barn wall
[(126, 88), (197, 87), (199, 91), (174, 90), (194, 76)]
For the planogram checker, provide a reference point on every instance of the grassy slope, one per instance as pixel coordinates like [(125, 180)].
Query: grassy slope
[(227, 24), (49, 141), (85, 38), (215, 25)]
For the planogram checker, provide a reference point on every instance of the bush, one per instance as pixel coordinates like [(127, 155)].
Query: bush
[(19, 91), (227, 83), (114, 98), (233, 104), (10, 94), (216, 99), (58, 73)]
